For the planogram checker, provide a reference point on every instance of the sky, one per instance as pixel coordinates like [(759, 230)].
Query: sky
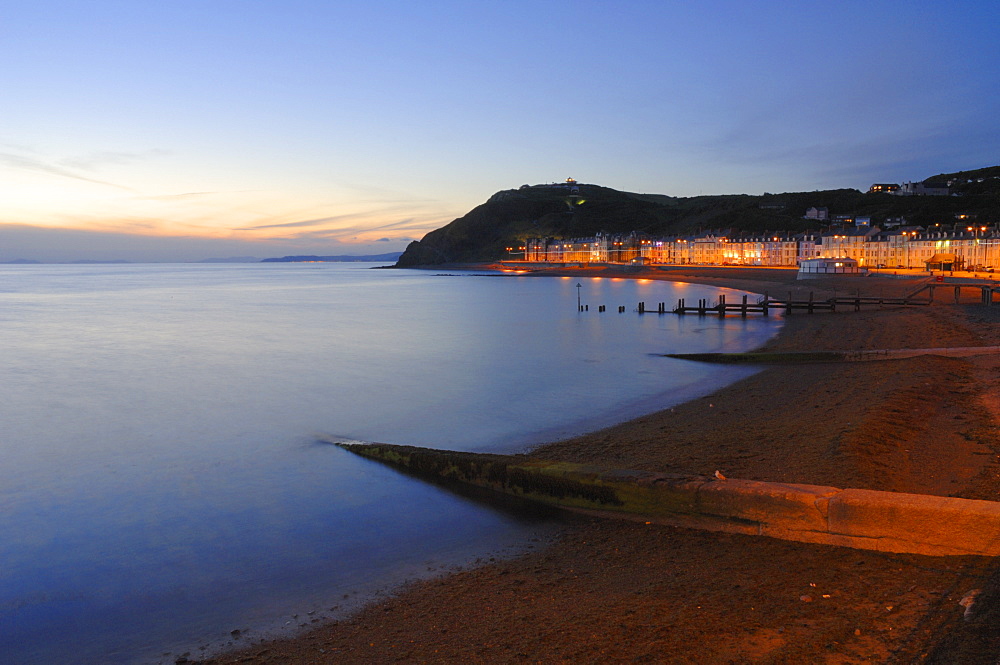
[(193, 129)]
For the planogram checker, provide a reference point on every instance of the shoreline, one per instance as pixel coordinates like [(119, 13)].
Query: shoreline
[(616, 590)]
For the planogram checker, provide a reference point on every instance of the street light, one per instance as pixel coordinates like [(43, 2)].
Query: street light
[(907, 236), (976, 231)]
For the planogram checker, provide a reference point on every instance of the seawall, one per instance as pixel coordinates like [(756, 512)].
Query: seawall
[(857, 518)]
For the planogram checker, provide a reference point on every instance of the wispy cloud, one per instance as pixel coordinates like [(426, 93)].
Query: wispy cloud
[(410, 225), (179, 197), (21, 162), (319, 221), (96, 160), (351, 223), (379, 194)]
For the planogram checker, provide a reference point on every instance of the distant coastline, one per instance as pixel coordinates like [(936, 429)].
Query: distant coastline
[(341, 258)]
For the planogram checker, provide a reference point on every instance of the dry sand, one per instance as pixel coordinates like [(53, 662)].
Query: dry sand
[(616, 592)]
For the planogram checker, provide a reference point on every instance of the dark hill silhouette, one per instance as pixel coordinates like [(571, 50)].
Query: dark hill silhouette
[(580, 210)]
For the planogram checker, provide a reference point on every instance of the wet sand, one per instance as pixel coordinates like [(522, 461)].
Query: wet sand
[(616, 591)]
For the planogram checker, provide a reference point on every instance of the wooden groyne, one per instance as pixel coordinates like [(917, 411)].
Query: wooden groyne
[(861, 519), (765, 305)]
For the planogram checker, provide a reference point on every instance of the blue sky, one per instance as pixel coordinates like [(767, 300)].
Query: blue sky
[(191, 129)]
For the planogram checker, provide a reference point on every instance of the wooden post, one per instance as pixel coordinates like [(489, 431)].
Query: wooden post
[(743, 310)]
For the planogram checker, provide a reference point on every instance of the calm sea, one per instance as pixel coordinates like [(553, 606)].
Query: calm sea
[(161, 479)]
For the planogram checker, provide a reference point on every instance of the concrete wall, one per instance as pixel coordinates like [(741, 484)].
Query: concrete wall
[(862, 519)]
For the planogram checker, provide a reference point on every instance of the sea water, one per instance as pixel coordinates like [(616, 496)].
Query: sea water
[(163, 481)]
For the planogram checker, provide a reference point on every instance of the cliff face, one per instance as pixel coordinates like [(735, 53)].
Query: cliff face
[(579, 210)]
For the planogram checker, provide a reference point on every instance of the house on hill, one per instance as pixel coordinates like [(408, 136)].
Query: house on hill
[(924, 189), (818, 213), (884, 188)]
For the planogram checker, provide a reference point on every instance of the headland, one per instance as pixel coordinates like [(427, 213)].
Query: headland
[(620, 591)]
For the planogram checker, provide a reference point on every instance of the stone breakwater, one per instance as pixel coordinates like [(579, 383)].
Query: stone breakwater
[(861, 519)]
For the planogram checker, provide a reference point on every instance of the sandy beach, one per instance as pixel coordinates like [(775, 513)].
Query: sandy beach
[(609, 591)]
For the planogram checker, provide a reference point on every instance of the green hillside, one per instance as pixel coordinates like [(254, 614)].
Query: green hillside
[(580, 210)]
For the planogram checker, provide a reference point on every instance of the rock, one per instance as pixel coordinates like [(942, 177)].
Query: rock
[(969, 602)]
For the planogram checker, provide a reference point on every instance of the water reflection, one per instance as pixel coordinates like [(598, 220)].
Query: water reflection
[(161, 483)]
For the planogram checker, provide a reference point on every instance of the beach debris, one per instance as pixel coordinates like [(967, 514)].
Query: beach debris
[(969, 602), (718, 475)]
